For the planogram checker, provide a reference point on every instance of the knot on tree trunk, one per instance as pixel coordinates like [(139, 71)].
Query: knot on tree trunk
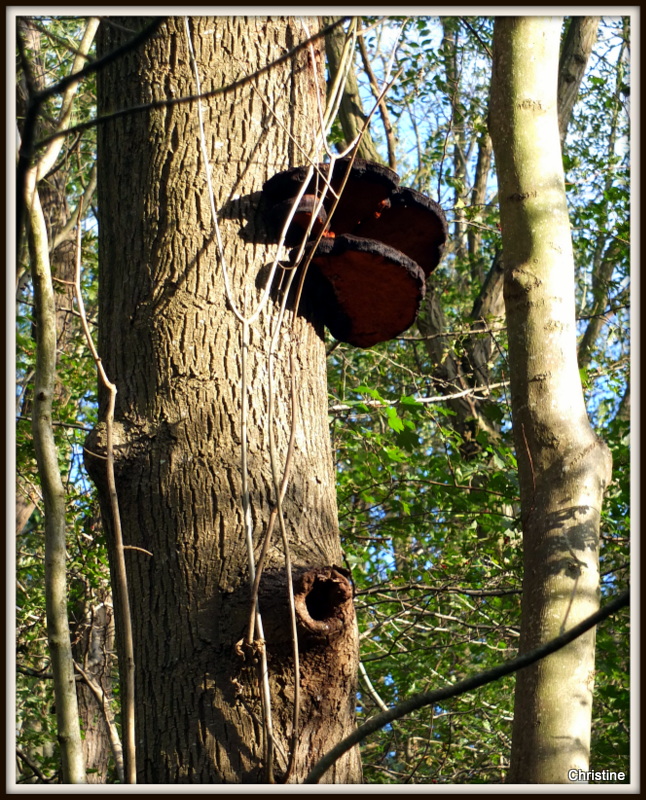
[(323, 602)]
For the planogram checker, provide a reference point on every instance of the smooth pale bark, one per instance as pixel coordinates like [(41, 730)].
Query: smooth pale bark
[(171, 342), (58, 631), (59, 223), (563, 467)]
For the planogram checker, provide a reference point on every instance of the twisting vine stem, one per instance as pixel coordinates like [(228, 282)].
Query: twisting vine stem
[(246, 507), (124, 617), (248, 526)]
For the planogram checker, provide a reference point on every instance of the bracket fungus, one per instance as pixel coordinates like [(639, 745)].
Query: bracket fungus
[(370, 292), (377, 244)]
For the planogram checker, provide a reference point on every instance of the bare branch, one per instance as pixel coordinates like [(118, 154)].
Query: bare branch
[(36, 103), (466, 685), (383, 108)]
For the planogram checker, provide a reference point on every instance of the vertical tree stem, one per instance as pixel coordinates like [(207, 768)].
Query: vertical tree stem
[(58, 632), (563, 466)]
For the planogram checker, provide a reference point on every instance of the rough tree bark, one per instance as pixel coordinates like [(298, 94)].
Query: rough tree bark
[(171, 342), (563, 466)]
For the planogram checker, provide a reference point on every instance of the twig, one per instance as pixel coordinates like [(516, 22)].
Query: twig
[(32, 766), (531, 467), (288, 564), (246, 513), (422, 400), (173, 101), (27, 147), (383, 108), (83, 204), (108, 718), (484, 45), (371, 689), (440, 590), (22, 418), (138, 549)]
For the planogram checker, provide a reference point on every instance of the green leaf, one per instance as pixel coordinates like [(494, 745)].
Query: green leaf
[(410, 402), (408, 440), (394, 420)]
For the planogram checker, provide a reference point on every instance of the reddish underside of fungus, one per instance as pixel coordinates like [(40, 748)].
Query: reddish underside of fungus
[(411, 223), (374, 291)]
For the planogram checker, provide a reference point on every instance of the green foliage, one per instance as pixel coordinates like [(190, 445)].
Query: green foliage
[(432, 541)]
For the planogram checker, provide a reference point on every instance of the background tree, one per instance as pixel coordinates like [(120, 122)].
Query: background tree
[(42, 58), (445, 740)]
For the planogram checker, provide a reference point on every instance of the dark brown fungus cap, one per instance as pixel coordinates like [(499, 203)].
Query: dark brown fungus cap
[(368, 292), (368, 276), (277, 215), (412, 223), (367, 187), (366, 191)]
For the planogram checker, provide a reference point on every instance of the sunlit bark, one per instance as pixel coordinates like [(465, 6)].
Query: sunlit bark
[(172, 340), (563, 466)]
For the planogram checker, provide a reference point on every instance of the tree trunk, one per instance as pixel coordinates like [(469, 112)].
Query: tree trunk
[(577, 46), (563, 466), (351, 113), (448, 52), (172, 343), (56, 595)]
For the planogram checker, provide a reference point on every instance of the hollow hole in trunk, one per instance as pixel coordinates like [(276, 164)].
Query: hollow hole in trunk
[(322, 599)]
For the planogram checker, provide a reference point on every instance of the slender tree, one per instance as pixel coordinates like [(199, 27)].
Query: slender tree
[(563, 466), (90, 612)]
